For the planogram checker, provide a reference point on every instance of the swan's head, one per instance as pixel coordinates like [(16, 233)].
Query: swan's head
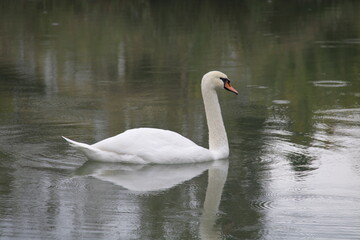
[(216, 80)]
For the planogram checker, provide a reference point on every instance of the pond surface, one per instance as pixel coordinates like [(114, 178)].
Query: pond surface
[(88, 70)]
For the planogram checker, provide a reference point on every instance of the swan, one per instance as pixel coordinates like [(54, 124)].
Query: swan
[(158, 146)]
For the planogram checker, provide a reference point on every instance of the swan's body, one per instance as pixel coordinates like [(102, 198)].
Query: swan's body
[(150, 145), (145, 145)]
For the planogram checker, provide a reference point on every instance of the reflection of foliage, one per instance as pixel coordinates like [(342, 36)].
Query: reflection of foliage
[(282, 45), (156, 35), (300, 162)]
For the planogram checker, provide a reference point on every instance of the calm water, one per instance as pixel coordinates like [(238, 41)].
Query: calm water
[(91, 69)]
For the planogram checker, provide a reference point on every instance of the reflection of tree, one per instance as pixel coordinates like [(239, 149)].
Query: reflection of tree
[(246, 177), (151, 40)]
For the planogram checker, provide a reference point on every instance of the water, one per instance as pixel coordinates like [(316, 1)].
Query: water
[(91, 69)]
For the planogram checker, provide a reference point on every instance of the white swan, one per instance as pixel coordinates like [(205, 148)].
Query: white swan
[(150, 145)]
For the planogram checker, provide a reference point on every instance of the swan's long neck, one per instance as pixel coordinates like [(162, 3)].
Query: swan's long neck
[(218, 142)]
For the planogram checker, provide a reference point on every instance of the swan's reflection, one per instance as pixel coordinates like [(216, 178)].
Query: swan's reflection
[(147, 178), (216, 181), (143, 178)]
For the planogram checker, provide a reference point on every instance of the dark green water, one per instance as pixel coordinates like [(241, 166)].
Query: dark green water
[(91, 69)]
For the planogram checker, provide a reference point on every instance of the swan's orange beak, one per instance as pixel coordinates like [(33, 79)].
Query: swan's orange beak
[(228, 87)]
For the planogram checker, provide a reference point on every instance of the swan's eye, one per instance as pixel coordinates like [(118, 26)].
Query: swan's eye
[(225, 80)]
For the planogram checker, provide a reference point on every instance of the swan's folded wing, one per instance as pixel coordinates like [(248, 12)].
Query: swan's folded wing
[(155, 146)]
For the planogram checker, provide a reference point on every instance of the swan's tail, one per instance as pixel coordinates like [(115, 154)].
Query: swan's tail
[(77, 145), (96, 154), (88, 150)]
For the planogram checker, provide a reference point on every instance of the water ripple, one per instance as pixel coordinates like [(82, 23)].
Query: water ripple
[(330, 83), (281, 102), (262, 204)]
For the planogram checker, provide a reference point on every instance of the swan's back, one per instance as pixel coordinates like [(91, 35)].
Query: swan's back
[(151, 145)]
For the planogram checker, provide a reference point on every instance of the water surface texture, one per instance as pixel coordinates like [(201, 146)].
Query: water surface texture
[(88, 70)]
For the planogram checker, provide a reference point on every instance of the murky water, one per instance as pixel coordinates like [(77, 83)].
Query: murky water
[(91, 69)]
